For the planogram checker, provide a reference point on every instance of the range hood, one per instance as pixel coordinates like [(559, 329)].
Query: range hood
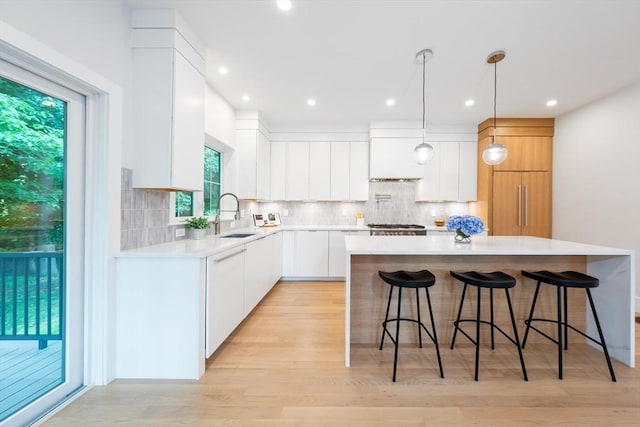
[(392, 159)]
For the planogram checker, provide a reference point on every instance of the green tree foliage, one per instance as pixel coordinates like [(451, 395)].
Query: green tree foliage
[(32, 130)]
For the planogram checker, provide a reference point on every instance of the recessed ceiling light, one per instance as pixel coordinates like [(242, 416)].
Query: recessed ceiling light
[(284, 5), (390, 102), (469, 102), (311, 102), (223, 71), (246, 98), (552, 103)]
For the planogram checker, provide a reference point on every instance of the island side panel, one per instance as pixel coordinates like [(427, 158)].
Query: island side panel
[(368, 293)]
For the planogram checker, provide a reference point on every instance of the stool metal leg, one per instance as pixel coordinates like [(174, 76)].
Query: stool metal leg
[(419, 320), (566, 319), (559, 308), (528, 321), (456, 323), (386, 317), (515, 334), (478, 335), (604, 345), (395, 357), (491, 309), (435, 336)]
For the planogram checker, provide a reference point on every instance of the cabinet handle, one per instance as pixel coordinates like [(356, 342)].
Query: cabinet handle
[(519, 205), (526, 205), (229, 256)]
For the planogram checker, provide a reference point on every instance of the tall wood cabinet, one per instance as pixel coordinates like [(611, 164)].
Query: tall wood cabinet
[(514, 197)]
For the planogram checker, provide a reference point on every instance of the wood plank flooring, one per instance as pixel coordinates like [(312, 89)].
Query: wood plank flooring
[(284, 367)]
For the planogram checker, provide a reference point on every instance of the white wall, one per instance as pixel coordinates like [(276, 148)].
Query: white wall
[(95, 34), (596, 167)]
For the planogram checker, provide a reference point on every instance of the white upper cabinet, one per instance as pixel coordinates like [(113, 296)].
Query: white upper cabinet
[(310, 166), (349, 171), (278, 169), (168, 121), (253, 150), (451, 174), (168, 104), (319, 171), (340, 170), (297, 171), (468, 171), (359, 171)]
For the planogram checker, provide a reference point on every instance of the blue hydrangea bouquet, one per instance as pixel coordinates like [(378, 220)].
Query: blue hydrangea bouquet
[(465, 226)]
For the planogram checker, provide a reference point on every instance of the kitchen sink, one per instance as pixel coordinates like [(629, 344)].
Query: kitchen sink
[(238, 235)]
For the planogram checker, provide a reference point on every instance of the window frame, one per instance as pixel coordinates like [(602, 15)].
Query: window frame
[(198, 196)]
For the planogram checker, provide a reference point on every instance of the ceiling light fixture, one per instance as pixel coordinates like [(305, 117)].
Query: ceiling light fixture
[(311, 102), (223, 71), (390, 102), (423, 151), (284, 5), (469, 102), (246, 98), (495, 153), (552, 103)]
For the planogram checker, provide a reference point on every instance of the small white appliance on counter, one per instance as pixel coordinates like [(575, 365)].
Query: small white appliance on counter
[(266, 220)]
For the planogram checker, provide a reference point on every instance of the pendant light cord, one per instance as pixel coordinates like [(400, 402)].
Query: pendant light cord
[(424, 65), (495, 96)]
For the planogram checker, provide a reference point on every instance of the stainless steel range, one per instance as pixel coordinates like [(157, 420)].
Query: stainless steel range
[(397, 230)]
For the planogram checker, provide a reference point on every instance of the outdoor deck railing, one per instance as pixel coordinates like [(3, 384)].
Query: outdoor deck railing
[(31, 296)]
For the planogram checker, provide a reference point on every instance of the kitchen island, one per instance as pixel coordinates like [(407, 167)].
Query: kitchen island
[(366, 294)]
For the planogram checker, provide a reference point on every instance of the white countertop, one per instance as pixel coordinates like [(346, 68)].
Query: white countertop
[(213, 245), (480, 245)]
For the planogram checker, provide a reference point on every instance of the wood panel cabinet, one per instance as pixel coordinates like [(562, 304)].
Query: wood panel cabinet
[(514, 197), (522, 204)]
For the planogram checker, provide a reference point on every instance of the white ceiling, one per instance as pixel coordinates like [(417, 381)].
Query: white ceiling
[(352, 55)]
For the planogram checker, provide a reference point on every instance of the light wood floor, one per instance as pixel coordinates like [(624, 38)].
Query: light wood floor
[(284, 367)]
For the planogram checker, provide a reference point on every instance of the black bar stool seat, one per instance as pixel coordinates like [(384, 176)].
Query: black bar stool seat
[(411, 280), (491, 281), (562, 281)]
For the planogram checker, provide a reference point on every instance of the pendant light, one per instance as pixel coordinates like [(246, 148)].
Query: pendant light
[(495, 153), (423, 151)]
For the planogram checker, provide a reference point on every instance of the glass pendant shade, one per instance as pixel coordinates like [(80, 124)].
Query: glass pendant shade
[(423, 153), (494, 154)]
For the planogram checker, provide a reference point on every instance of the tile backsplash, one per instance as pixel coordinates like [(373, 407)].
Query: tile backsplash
[(389, 202), (145, 217), (145, 213)]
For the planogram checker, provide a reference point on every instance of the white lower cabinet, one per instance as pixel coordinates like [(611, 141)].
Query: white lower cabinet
[(225, 296), (311, 256), (257, 271)]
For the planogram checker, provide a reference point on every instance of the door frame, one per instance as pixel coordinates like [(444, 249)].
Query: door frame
[(103, 136)]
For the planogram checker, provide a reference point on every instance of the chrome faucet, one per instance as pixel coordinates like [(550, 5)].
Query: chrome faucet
[(216, 222)]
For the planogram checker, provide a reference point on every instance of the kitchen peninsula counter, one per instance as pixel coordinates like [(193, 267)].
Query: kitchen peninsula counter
[(366, 294)]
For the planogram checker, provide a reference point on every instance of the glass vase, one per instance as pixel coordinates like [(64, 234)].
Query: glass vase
[(461, 237)]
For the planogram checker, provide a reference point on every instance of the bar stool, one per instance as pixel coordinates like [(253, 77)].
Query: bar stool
[(423, 279), (562, 281), (491, 281)]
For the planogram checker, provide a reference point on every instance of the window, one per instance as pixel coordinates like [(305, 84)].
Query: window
[(211, 181), (185, 203)]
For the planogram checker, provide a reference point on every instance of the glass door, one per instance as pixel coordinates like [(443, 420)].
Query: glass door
[(41, 247)]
